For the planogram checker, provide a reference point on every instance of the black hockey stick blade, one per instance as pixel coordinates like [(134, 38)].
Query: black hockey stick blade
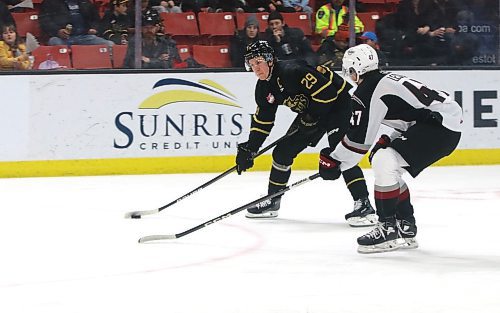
[(139, 214), (228, 214)]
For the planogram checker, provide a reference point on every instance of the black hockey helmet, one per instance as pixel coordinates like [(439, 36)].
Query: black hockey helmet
[(259, 48)]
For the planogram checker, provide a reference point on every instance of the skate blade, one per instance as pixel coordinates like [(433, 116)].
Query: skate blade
[(390, 245), (268, 214), (365, 221), (409, 243)]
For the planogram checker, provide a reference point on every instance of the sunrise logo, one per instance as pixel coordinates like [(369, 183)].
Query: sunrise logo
[(175, 90)]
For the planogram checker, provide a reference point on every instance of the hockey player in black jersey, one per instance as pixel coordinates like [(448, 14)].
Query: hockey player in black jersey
[(321, 100), (426, 127)]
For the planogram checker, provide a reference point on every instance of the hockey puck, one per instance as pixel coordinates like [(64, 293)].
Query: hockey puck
[(135, 216)]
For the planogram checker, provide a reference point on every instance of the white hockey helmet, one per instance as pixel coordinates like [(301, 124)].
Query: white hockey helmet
[(360, 59)]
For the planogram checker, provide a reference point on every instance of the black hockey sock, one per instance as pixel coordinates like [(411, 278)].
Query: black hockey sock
[(278, 178), (356, 183), (404, 207), (386, 199)]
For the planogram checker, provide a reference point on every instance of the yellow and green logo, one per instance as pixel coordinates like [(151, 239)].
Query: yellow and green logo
[(175, 90)]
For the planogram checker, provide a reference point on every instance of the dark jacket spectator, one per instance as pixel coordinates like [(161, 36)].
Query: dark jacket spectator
[(115, 23), (55, 15), (158, 52), (288, 42), (241, 40), (423, 41), (254, 6), (229, 6)]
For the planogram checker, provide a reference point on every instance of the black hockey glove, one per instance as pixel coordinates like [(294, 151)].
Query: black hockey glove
[(328, 166), (430, 117), (308, 125), (383, 142), (244, 158), (304, 124)]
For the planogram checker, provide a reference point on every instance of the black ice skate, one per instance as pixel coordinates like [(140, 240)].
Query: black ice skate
[(384, 237), (362, 215), (265, 209), (407, 230)]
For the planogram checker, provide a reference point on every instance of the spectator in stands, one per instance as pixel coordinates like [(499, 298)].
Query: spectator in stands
[(288, 42), (424, 32), (115, 23), (298, 6), (229, 6), (241, 40), (145, 6), (157, 51), (190, 6), (169, 6), (13, 54), (278, 5), (71, 22), (332, 51), (199, 5), (334, 16), (5, 16), (254, 6), (370, 38)]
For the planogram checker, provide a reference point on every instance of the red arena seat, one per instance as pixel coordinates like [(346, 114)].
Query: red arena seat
[(212, 56), (91, 57), (59, 54), (27, 23)]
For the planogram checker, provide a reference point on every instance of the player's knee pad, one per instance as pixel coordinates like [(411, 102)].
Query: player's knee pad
[(282, 156), (386, 167)]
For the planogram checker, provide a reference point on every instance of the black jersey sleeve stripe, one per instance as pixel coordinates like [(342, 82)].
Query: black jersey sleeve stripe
[(261, 122), (260, 130)]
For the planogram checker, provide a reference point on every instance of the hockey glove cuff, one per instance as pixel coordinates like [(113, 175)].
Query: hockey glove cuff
[(383, 142), (244, 158), (328, 166)]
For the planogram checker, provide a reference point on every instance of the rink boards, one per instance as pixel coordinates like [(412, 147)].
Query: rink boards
[(89, 124)]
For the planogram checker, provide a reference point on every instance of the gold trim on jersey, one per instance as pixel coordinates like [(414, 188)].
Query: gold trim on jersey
[(259, 130), (261, 122), (326, 85)]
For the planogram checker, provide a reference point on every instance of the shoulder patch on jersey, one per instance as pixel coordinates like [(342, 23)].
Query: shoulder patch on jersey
[(321, 14), (270, 98), (321, 69)]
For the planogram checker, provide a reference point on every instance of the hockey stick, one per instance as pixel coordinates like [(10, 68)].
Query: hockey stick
[(138, 214), (228, 214)]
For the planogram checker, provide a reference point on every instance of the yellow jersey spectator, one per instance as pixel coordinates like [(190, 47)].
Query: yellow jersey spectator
[(13, 55), (331, 15)]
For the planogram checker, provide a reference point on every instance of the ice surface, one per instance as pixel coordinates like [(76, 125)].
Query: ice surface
[(65, 247)]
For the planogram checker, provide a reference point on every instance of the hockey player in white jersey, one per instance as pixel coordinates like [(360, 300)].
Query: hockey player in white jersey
[(426, 127)]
